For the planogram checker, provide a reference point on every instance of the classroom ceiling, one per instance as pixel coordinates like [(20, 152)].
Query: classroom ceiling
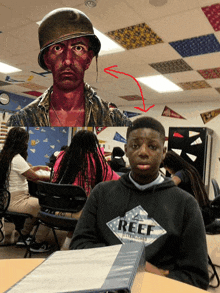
[(178, 39)]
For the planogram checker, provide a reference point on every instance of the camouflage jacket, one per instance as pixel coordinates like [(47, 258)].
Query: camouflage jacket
[(97, 112)]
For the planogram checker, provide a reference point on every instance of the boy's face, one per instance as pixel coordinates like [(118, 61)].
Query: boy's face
[(145, 151)]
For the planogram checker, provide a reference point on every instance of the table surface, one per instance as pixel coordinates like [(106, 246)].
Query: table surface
[(12, 270)]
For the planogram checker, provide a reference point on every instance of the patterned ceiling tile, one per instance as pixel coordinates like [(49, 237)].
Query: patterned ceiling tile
[(202, 84), (32, 86), (197, 46), (33, 93), (218, 89), (210, 73), (212, 13), (135, 36), (3, 83), (131, 98), (171, 66)]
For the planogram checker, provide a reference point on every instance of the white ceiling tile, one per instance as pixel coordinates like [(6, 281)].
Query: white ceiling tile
[(192, 23), (27, 33), (185, 76), (112, 17), (205, 61), (156, 53), (172, 7), (11, 19), (215, 82)]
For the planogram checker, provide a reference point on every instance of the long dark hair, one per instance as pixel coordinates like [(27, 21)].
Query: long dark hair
[(16, 143), (177, 163), (83, 151)]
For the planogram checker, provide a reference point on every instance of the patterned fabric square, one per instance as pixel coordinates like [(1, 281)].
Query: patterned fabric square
[(212, 13), (197, 46), (3, 83), (131, 98), (202, 84), (135, 36), (171, 66), (210, 73)]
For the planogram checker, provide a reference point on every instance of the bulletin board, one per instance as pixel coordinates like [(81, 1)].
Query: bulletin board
[(44, 141)]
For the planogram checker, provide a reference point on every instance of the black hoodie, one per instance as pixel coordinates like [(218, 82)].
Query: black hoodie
[(167, 219)]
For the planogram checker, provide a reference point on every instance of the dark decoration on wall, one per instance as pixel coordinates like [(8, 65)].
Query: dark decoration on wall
[(194, 146)]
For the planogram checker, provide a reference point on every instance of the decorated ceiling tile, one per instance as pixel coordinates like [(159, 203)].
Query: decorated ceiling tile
[(197, 46), (194, 85), (171, 66), (32, 86), (210, 73), (212, 13), (135, 36), (131, 98)]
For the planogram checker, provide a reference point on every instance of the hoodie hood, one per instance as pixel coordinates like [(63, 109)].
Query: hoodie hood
[(132, 191), (167, 183)]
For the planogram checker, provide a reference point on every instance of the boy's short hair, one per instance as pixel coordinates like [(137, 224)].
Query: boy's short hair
[(146, 122)]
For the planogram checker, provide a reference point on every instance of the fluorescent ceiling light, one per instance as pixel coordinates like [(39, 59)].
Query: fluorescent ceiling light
[(160, 84), (5, 68), (108, 46)]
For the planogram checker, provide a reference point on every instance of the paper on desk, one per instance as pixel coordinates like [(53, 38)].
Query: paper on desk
[(68, 271)]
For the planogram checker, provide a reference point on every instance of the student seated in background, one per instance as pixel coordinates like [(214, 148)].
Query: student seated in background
[(14, 173), (145, 207), (187, 177), (82, 164), (117, 162), (54, 156)]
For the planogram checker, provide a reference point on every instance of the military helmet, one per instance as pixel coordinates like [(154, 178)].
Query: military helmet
[(63, 24)]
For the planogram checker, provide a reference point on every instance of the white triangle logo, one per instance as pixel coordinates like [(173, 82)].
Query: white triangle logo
[(192, 157), (177, 151), (193, 133), (197, 141)]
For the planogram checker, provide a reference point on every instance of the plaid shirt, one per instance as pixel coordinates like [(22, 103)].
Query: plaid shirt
[(97, 112)]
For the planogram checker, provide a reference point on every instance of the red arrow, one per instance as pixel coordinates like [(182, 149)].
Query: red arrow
[(109, 69)]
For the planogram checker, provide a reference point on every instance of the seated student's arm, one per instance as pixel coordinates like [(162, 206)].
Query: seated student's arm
[(180, 176), (86, 234), (33, 176), (154, 270), (191, 264), (37, 168), (176, 180)]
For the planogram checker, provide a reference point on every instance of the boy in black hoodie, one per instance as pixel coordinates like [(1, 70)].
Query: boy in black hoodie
[(144, 206)]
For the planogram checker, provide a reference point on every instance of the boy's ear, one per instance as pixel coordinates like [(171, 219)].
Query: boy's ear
[(164, 152)]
